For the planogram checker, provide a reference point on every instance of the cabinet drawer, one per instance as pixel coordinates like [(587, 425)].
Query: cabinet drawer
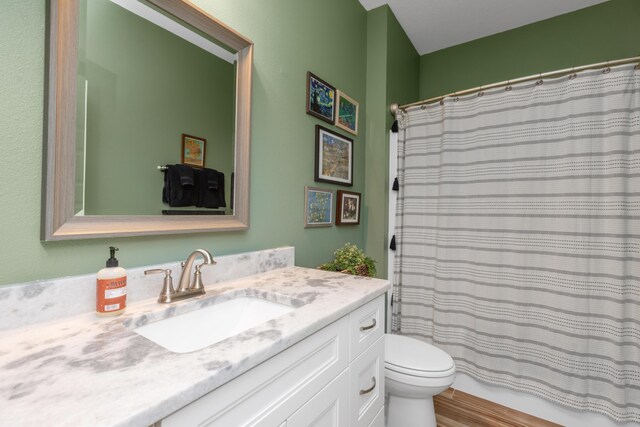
[(329, 408), (267, 394), (366, 325), (366, 385)]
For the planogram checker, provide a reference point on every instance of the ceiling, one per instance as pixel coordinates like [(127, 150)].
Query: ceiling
[(436, 24)]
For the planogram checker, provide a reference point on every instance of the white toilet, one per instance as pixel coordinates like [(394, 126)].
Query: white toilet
[(415, 371)]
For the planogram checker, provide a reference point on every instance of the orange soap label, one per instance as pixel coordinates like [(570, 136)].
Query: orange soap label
[(111, 294)]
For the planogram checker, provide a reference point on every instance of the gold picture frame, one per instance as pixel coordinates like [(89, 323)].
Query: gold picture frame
[(193, 150)]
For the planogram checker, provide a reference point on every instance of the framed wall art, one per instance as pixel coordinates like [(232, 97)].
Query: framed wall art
[(334, 157), (318, 207), (347, 113), (348, 208), (193, 150), (321, 98)]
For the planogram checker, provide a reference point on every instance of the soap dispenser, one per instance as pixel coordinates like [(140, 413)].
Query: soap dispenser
[(111, 287)]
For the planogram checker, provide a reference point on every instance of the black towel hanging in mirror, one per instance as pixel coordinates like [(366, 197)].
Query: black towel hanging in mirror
[(394, 126), (396, 185), (392, 245)]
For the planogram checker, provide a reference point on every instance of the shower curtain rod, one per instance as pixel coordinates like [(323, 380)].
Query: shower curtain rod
[(394, 107)]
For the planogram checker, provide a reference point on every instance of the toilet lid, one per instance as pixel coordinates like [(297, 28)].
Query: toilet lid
[(409, 354)]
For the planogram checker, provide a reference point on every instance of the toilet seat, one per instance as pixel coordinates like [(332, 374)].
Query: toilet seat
[(405, 356), (421, 381)]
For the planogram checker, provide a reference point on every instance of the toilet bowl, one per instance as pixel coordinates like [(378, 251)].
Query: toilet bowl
[(415, 371)]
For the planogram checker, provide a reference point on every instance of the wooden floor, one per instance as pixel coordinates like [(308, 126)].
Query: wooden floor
[(455, 408)]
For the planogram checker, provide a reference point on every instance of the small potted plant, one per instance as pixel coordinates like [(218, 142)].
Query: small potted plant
[(351, 260)]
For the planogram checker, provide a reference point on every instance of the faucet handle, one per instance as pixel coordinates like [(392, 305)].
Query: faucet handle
[(167, 286), (197, 278)]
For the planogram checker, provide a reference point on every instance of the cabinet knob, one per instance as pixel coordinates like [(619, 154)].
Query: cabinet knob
[(370, 389)]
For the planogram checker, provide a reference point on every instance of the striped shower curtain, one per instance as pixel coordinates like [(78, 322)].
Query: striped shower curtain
[(518, 237)]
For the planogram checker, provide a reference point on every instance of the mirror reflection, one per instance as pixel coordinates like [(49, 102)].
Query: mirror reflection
[(141, 87)]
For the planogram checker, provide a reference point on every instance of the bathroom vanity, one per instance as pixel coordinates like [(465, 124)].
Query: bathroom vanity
[(334, 377), (321, 362)]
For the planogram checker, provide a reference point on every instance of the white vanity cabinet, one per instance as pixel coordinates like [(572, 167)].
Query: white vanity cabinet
[(366, 368), (334, 377)]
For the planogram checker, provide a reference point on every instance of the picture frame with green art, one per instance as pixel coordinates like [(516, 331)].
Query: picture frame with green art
[(318, 207), (347, 116)]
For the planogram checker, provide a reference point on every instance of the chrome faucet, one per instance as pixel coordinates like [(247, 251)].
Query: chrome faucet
[(186, 288)]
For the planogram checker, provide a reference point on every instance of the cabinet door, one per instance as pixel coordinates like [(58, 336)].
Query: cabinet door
[(267, 394), (328, 408), (378, 421), (366, 390)]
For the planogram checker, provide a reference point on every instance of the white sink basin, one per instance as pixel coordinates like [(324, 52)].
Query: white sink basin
[(206, 326)]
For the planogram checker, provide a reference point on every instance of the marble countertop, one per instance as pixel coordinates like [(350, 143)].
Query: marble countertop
[(92, 371)]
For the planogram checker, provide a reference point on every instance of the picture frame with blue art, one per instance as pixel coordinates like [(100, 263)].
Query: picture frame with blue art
[(318, 207), (321, 98)]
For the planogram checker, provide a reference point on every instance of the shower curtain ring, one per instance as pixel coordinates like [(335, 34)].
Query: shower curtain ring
[(540, 81), (508, 87)]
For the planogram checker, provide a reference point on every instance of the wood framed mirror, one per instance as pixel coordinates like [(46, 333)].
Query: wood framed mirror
[(60, 213)]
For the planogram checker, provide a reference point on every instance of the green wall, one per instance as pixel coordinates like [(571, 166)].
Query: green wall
[(368, 56), (147, 87), (606, 31), (291, 37), (392, 76), (403, 67)]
